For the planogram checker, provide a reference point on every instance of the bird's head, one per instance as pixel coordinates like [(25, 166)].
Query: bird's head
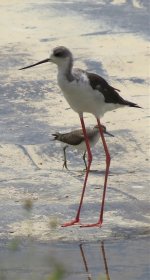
[(103, 127), (60, 56), (104, 130)]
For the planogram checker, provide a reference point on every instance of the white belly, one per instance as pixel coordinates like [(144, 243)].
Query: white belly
[(93, 142), (82, 98)]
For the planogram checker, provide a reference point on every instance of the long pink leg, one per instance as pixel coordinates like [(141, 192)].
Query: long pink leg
[(100, 221), (77, 218)]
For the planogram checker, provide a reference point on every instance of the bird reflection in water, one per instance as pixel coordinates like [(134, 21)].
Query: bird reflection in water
[(86, 265)]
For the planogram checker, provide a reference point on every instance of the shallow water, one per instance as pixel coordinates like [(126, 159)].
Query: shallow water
[(115, 259), (110, 39)]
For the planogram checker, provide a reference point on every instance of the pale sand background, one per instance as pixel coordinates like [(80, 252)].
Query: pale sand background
[(107, 37)]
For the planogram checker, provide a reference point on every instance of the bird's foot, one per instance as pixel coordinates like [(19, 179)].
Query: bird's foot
[(85, 169), (65, 165), (98, 224), (72, 223)]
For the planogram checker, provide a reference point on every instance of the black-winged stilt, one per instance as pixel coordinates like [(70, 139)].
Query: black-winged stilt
[(86, 92), (76, 139)]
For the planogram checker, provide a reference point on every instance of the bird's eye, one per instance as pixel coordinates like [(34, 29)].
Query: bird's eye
[(58, 54)]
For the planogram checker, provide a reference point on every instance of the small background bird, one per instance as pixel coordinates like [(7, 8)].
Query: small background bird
[(75, 139)]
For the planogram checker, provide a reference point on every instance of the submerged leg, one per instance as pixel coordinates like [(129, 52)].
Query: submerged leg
[(105, 261), (65, 159), (85, 263), (100, 221), (77, 218)]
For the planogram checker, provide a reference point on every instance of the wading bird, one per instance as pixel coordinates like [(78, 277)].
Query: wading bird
[(86, 92), (76, 140)]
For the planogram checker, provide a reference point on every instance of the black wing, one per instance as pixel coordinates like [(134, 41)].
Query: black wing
[(110, 93)]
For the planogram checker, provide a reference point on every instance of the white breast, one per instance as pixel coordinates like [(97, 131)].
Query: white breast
[(80, 95), (93, 142)]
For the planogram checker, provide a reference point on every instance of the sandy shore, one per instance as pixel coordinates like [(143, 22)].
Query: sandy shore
[(112, 40)]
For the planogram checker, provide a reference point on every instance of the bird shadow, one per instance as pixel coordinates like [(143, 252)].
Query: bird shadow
[(81, 173)]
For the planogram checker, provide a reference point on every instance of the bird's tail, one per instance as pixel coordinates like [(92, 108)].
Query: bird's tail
[(131, 104), (56, 136)]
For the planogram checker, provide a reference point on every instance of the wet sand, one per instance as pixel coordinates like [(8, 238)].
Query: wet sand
[(110, 39)]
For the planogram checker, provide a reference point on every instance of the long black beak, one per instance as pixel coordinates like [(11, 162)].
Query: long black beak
[(40, 62), (108, 133)]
